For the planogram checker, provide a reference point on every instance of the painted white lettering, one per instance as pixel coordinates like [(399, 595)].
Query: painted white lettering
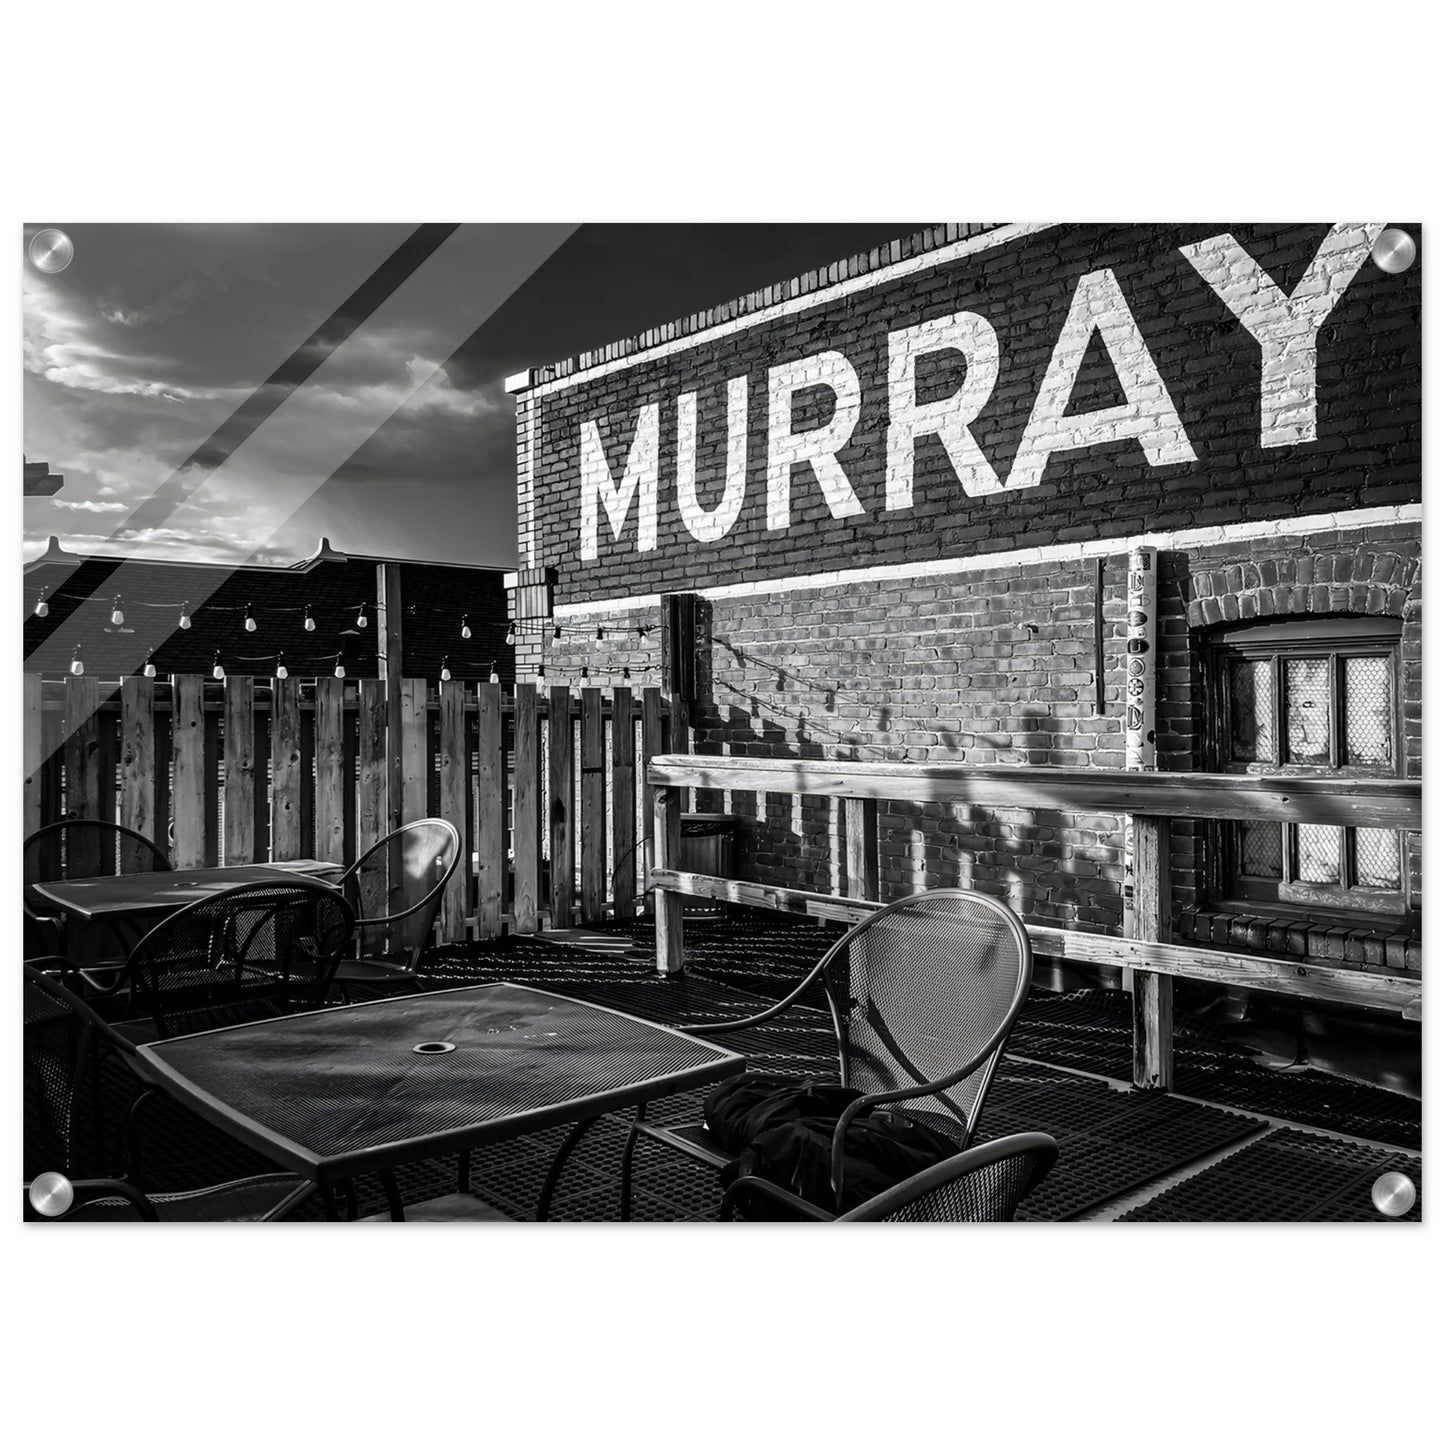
[(639, 477), (710, 526), (818, 446), (948, 418), (1147, 413), (1286, 327)]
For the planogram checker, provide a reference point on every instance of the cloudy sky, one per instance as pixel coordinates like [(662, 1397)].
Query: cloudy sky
[(234, 392)]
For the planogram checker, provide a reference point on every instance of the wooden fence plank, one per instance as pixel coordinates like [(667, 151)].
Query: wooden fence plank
[(860, 839), (560, 812), (491, 829), (651, 747), (287, 781), (667, 839), (594, 809), (212, 785), (371, 812), (82, 770), (260, 802), (526, 791), (624, 805), (188, 789), (330, 770), (413, 748), (240, 753), (1153, 992), (138, 756), (451, 699)]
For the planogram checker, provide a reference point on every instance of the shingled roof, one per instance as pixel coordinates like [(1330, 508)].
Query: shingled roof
[(336, 587)]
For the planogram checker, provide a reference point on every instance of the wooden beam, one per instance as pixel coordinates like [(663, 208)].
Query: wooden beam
[(667, 839), (860, 842), (561, 814), (1153, 992), (1348, 802), (652, 745), (669, 882)]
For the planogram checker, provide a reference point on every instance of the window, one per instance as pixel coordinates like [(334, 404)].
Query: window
[(1314, 698)]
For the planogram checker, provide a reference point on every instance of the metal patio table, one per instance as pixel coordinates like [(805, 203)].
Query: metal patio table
[(366, 1087), (149, 896)]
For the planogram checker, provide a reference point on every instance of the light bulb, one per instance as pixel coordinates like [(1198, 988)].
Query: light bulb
[(361, 616), (511, 635), (492, 676), (77, 667), (446, 670), (150, 668), (541, 672), (310, 623), (466, 628), (340, 669), (185, 615), (217, 671), (601, 638), (584, 674), (42, 607), (250, 621), (117, 617), (281, 666), (626, 673), (642, 634)]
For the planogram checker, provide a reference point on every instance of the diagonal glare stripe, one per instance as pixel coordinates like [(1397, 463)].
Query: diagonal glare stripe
[(383, 283)]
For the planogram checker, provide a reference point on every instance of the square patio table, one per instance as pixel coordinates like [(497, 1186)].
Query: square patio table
[(366, 1087), (118, 899)]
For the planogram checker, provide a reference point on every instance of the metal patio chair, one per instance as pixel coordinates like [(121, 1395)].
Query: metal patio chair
[(921, 997), (81, 848), (396, 888), (251, 952), (985, 1184), (65, 1134)]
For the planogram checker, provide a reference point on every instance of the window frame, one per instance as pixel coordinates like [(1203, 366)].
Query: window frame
[(1335, 638)]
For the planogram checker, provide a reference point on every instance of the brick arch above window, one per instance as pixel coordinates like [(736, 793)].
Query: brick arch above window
[(1367, 581)]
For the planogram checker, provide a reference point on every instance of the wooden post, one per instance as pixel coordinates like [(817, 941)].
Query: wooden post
[(286, 779), (860, 840), (491, 811), (389, 660), (624, 806), (526, 789), (413, 750), (594, 810), (667, 838), (373, 762), (330, 770), (560, 814), (1153, 992), (651, 746), (188, 794), (451, 699), (138, 756), (240, 770)]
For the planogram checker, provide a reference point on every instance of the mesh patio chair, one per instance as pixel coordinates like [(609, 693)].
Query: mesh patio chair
[(985, 1184), (81, 848), (65, 1133), (251, 952), (396, 890), (921, 996)]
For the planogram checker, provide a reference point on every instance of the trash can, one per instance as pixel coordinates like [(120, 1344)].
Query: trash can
[(707, 847)]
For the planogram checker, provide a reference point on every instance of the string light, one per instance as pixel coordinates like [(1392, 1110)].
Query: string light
[(361, 615), (466, 627), (77, 667), (584, 674), (310, 623), (281, 672), (250, 622), (642, 634), (185, 615), (340, 668), (626, 673), (541, 671), (557, 633), (42, 607), (601, 638), (149, 669), (492, 676), (446, 669), (511, 634), (217, 671), (117, 617)]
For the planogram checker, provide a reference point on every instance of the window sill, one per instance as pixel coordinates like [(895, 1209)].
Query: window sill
[(1388, 943)]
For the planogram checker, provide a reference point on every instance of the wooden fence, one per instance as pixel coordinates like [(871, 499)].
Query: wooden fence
[(1152, 798), (544, 789)]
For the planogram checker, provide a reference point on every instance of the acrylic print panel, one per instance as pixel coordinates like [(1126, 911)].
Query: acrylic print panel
[(721, 589)]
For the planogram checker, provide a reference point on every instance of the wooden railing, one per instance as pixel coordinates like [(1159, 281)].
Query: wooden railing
[(249, 769), (1152, 799)]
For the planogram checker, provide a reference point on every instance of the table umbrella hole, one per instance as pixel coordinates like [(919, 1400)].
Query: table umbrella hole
[(433, 1047)]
